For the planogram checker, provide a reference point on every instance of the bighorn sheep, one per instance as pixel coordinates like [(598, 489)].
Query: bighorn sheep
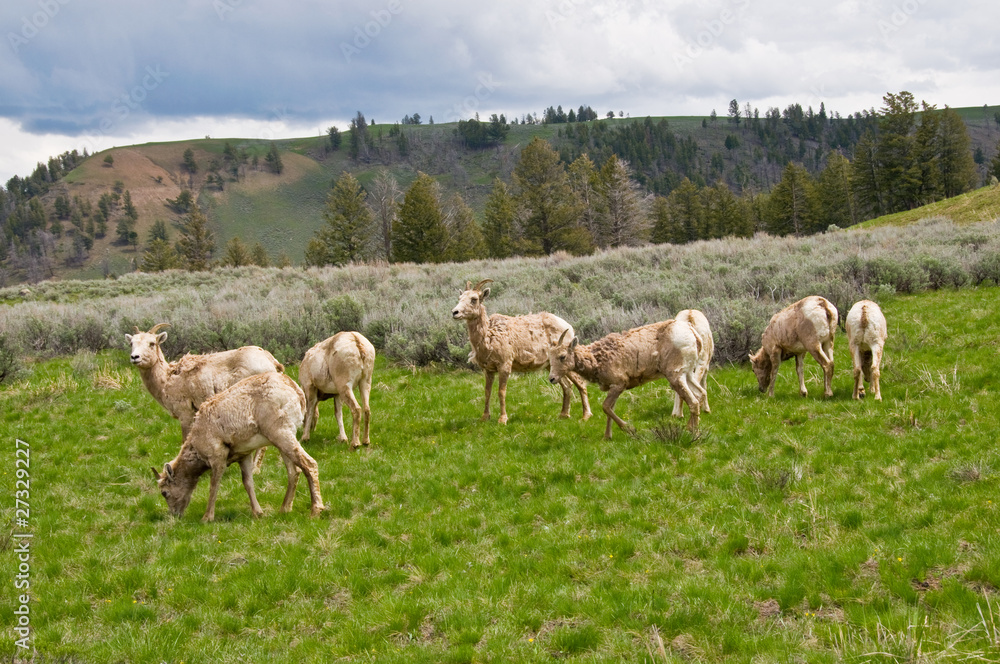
[(866, 335), (183, 385), (699, 322), (332, 368), (504, 344), (618, 362), (255, 412), (806, 326)]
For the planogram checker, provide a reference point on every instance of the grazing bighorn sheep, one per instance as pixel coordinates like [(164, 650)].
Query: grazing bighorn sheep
[(618, 362), (183, 385), (866, 335), (699, 322), (332, 368), (255, 412), (806, 326), (504, 344)]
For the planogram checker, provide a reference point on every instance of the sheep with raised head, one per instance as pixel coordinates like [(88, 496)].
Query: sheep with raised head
[(261, 410), (332, 369), (669, 349), (183, 385), (866, 335), (506, 344), (699, 322), (807, 326)]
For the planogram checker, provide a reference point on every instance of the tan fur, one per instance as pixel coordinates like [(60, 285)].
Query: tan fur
[(867, 331), (618, 362), (182, 386), (699, 322), (807, 326), (505, 344), (261, 410), (332, 368)]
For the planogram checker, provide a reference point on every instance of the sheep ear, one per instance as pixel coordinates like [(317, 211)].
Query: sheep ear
[(128, 338), (486, 293), (161, 337), (468, 285), (573, 343), (156, 473), (168, 472)]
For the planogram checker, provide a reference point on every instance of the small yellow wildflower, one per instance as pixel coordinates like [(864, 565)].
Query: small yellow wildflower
[(899, 559), (531, 640)]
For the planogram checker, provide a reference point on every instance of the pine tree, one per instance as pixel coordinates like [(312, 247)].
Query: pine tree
[(725, 214), (419, 234), (190, 165), (899, 170), (465, 238), (835, 194), (159, 256), (499, 219), (549, 207), (585, 182), (687, 214), (925, 154), (258, 255), (347, 233), (237, 254), (197, 243), (158, 231), (625, 221), (995, 163), (384, 198), (958, 168), (867, 180), (791, 208), (273, 159)]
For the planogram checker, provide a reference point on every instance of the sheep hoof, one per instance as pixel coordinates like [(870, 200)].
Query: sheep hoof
[(485, 417), (563, 416), (586, 416), (502, 420)]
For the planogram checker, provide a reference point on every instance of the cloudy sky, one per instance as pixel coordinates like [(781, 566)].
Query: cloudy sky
[(77, 74)]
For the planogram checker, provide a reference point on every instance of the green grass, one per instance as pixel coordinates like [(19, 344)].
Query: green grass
[(979, 205), (788, 529)]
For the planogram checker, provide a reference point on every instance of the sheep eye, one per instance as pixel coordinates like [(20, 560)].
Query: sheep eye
[(562, 358), (151, 344), (474, 300)]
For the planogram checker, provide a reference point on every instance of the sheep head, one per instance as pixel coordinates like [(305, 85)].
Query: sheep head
[(562, 357), (470, 302), (177, 494), (760, 362), (146, 345)]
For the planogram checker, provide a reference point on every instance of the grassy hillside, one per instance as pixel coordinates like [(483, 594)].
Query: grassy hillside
[(790, 529), (283, 212), (980, 205)]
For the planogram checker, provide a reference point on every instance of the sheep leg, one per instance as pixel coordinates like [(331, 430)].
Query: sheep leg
[(489, 389), (859, 388), (827, 364), (775, 363), (876, 371), (247, 470), (293, 478), (312, 412), (355, 407), (682, 389), (564, 384), (218, 468), (502, 395), (258, 459), (800, 370), (581, 386), (366, 388), (609, 409), (678, 408), (338, 409), (703, 382)]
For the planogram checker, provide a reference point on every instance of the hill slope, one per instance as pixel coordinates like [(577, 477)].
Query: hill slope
[(283, 211)]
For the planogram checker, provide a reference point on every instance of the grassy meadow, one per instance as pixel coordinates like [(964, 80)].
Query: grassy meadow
[(788, 529)]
